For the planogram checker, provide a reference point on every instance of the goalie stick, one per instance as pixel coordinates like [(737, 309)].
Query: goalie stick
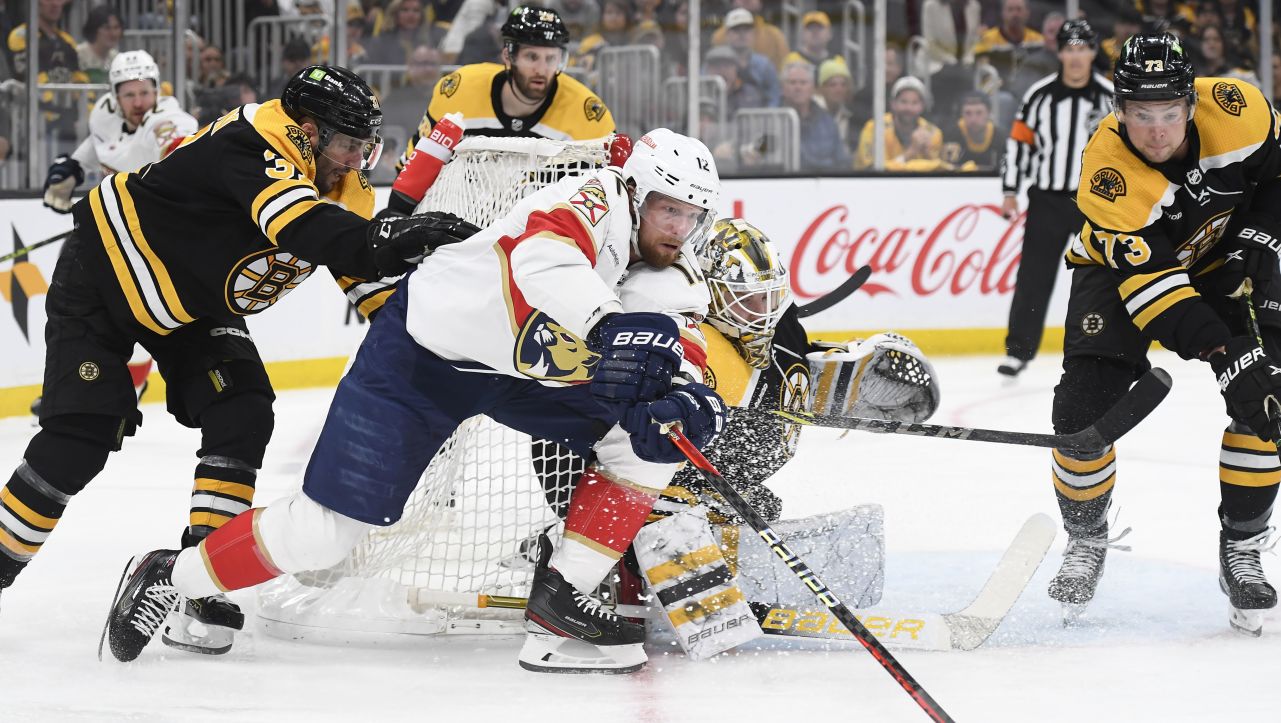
[(1137, 404), (965, 629), (809, 579), (837, 295)]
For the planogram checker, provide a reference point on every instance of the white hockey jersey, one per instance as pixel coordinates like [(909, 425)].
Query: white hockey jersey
[(520, 296), (113, 148)]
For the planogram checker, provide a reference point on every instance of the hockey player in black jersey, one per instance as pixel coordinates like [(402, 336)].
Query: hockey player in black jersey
[(1180, 192), (173, 257)]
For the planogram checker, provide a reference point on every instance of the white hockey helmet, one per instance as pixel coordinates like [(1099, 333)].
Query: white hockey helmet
[(133, 65), (678, 167), (749, 285)]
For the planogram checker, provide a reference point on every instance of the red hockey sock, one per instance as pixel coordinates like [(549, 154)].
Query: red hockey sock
[(234, 555), (607, 514), (138, 371)]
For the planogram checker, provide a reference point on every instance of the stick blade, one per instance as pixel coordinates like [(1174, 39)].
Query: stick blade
[(837, 295), (1134, 407)]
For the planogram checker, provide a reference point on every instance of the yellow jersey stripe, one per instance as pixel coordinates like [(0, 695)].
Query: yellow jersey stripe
[(286, 217), (1162, 304), (1134, 283), (167, 289), (118, 264), (271, 192)]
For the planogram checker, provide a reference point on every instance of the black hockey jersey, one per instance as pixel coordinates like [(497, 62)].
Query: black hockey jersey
[(227, 224), (1158, 227)]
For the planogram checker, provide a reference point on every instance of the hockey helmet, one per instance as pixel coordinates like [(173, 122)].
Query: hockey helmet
[(534, 25), (1153, 66), (1077, 32), (748, 283), (678, 167), (133, 65), (344, 107)]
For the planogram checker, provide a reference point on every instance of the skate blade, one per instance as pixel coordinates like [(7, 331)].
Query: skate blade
[(546, 653), (111, 611), (1247, 622), (1072, 613), (184, 632)]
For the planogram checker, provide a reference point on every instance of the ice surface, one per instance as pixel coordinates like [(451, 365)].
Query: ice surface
[(1155, 645)]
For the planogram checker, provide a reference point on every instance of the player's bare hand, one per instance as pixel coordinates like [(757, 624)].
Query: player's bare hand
[(1010, 207)]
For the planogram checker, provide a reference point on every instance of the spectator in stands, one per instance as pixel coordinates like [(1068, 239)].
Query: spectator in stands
[(717, 136), (815, 42), (484, 44), (213, 69), (821, 145), (1208, 13), (295, 56), (442, 12), (356, 27), (614, 30), (403, 106), (974, 142), (1128, 22), (723, 61), (835, 91), (753, 67), (676, 40), (1039, 62), (861, 105), (581, 16), (647, 10), (407, 29), (1238, 25), (1276, 76), (1013, 32), (1214, 59), (767, 39), (1175, 16), (950, 29), (101, 32), (473, 15), (58, 63), (905, 148), (213, 103)]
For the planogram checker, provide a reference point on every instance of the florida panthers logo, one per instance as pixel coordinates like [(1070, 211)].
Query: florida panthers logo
[(1107, 183), (1229, 97), (262, 278), (547, 350), (590, 202)]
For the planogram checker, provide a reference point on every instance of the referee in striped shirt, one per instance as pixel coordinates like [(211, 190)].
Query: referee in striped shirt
[(1059, 114)]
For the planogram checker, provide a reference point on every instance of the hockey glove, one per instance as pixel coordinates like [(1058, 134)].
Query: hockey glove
[(698, 409), (428, 158), (1252, 248), (399, 244), (1251, 386), (639, 353), (64, 175)]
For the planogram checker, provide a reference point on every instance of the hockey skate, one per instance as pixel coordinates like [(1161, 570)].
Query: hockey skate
[(1078, 577), (205, 625), (1241, 579), (1011, 367), (144, 598), (567, 631)]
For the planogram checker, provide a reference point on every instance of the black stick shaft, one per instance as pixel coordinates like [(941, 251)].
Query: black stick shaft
[(811, 581), (837, 295), (39, 244)]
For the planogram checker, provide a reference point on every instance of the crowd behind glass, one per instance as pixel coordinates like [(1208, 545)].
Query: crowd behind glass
[(955, 70)]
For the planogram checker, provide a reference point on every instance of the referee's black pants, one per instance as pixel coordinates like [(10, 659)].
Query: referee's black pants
[(1052, 216)]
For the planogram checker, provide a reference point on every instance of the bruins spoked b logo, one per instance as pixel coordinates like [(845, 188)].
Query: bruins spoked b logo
[(1093, 324), (1229, 97), (298, 137), (89, 371), (1107, 183), (262, 278)]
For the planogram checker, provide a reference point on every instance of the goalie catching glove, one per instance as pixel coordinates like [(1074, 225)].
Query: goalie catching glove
[(883, 377), (399, 244), (64, 175), (1251, 386)]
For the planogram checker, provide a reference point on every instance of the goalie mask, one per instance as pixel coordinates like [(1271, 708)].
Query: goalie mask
[(749, 286)]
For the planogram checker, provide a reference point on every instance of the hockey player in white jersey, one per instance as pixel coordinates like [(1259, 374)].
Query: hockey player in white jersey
[(129, 127), (521, 322)]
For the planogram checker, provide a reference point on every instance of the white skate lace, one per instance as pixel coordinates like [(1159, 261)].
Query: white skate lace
[(1082, 555), (1243, 557), (154, 607), (592, 606)]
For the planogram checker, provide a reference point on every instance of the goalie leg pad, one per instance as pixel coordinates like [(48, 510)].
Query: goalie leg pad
[(688, 574)]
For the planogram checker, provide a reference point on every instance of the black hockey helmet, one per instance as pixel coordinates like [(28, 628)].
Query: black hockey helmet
[(1153, 66), (1077, 32), (337, 98), (534, 25)]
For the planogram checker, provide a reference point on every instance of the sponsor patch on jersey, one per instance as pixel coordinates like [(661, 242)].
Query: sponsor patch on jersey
[(450, 83), (1229, 97), (364, 180), (590, 201), (1107, 183), (1092, 324), (263, 278), (547, 350), (298, 137), (593, 108)]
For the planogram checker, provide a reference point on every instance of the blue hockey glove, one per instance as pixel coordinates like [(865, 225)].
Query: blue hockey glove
[(698, 409), (639, 353)]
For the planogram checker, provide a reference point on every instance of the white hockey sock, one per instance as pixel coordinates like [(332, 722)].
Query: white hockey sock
[(190, 576)]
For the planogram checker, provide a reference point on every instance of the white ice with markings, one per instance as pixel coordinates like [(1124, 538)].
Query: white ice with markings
[(1155, 644)]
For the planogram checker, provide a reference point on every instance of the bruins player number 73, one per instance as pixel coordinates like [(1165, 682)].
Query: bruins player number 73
[(1180, 191)]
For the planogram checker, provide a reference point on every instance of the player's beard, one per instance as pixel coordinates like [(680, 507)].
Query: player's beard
[(528, 93), (328, 173)]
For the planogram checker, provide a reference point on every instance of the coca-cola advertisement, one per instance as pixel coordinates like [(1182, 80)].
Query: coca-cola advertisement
[(942, 256)]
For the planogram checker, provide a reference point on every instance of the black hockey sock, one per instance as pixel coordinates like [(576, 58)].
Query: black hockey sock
[(1249, 473), (224, 488), (1083, 488)]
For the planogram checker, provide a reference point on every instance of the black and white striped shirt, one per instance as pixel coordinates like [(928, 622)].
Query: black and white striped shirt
[(1050, 132)]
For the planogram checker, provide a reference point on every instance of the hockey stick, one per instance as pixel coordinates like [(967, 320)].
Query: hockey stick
[(965, 629), (1137, 404), (837, 295), (39, 244), (807, 576)]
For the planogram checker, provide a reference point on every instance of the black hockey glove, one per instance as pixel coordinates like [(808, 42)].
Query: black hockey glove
[(639, 353), (1251, 386), (398, 244), (1253, 245), (398, 206), (698, 409), (64, 175)]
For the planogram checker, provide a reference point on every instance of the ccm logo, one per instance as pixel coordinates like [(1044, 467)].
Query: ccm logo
[(229, 331), (648, 338)]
